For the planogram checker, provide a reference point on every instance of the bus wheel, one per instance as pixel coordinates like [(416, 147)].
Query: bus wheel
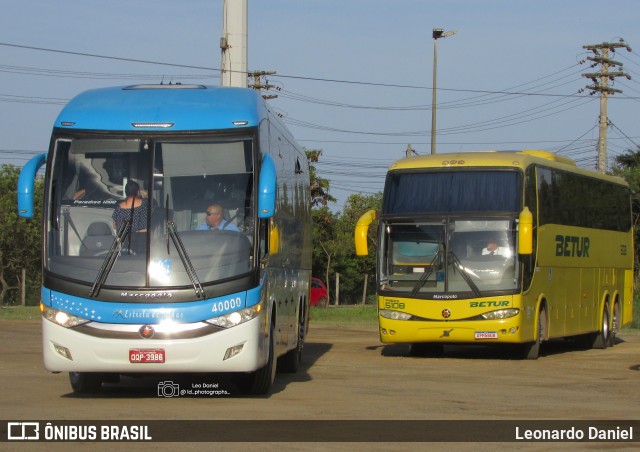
[(531, 350), (290, 361), (85, 382), (260, 381), (600, 339), (426, 349), (322, 302), (615, 325)]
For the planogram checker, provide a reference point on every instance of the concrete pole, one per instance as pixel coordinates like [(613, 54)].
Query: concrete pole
[(433, 97), (234, 43), (438, 33), (602, 136)]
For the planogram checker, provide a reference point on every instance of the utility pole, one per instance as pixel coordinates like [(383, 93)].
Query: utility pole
[(409, 151), (601, 85), (259, 85), (233, 43), (438, 33)]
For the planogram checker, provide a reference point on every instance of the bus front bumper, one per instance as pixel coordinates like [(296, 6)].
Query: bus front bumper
[(454, 332), (67, 349)]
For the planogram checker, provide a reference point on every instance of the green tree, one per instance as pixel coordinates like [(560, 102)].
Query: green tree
[(325, 246), (333, 244), (627, 166), (319, 187), (353, 268), (20, 240)]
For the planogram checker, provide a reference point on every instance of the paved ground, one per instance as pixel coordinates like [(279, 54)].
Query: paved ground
[(348, 375)]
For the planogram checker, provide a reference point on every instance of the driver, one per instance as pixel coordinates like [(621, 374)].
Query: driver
[(215, 221)]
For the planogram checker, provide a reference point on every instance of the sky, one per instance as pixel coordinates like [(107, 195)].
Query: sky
[(354, 77)]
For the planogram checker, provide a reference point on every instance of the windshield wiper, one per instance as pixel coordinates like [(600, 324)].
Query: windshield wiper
[(166, 221), (465, 275), (184, 257), (110, 259), (424, 276)]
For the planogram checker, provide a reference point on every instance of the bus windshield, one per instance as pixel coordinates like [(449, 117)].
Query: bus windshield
[(171, 241), (421, 192), (426, 258)]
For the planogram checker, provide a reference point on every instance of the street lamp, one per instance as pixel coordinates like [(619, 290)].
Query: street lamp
[(437, 34)]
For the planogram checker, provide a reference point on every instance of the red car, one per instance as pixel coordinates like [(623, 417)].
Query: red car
[(318, 293)]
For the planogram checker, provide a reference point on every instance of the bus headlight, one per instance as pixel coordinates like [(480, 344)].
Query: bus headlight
[(394, 315), (500, 314), (237, 317), (62, 318)]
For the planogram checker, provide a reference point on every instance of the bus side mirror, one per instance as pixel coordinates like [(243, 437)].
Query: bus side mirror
[(360, 235), (274, 238), (525, 232), (267, 188), (26, 182)]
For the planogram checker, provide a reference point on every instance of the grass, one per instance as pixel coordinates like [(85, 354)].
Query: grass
[(19, 312), (349, 314)]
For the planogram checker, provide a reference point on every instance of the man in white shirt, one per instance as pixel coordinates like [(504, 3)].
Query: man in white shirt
[(492, 248)]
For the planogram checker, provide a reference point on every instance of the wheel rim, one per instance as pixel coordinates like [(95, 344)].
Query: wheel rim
[(614, 321), (605, 323)]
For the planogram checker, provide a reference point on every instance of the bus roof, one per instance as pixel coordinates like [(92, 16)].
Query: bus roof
[(504, 159), (167, 107)]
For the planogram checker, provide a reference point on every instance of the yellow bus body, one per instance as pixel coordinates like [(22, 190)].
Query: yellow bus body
[(581, 276)]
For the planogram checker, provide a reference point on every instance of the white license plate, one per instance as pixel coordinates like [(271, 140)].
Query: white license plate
[(486, 335), (146, 355)]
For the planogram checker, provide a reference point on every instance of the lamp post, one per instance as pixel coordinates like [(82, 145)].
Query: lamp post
[(437, 34)]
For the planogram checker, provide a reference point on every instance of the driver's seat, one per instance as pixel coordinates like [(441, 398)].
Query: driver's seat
[(97, 240)]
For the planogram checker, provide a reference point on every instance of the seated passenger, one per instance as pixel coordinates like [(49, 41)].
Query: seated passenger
[(215, 220)]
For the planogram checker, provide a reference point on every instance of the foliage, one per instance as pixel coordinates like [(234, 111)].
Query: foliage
[(20, 240), (627, 166), (319, 187), (334, 248), (325, 247), (364, 315)]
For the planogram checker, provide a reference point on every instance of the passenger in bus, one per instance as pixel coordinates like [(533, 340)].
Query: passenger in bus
[(215, 220), (135, 205), (492, 248)]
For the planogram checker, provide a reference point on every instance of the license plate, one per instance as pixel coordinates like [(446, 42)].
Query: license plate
[(154, 355), (486, 335)]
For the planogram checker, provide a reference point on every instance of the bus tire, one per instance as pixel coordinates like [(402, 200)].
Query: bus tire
[(531, 350), (290, 361), (260, 381), (85, 382), (600, 339), (322, 302)]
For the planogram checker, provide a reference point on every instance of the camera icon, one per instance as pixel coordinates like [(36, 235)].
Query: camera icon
[(168, 389)]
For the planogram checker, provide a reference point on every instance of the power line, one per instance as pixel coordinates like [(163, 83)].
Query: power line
[(317, 79)]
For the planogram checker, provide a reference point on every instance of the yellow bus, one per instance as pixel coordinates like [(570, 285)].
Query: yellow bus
[(501, 247)]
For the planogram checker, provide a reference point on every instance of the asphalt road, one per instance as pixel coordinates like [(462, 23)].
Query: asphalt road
[(347, 374)]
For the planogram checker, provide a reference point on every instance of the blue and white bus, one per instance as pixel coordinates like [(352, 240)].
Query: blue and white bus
[(173, 296)]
